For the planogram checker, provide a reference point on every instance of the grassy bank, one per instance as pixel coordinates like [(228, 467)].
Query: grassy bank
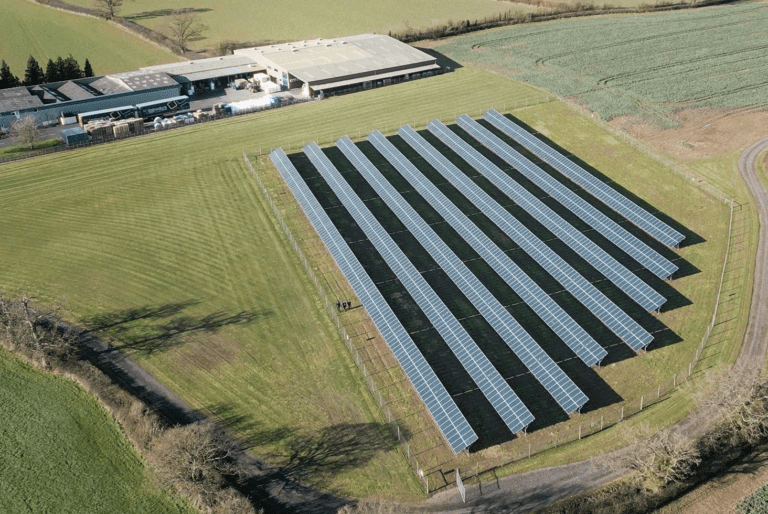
[(172, 224), (28, 28), (62, 452)]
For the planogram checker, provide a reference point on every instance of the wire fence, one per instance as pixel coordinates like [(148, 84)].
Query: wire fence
[(330, 307), (538, 442), (607, 417), (147, 132)]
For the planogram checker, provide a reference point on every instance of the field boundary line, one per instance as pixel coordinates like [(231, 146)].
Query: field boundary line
[(397, 432), (679, 169)]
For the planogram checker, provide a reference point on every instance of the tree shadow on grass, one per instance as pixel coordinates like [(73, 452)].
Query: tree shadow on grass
[(157, 328), (302, 456), (159, 13)]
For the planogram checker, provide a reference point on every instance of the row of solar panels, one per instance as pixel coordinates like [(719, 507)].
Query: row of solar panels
[(513, 412)]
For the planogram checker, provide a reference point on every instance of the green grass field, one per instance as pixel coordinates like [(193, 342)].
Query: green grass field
[(174, 218), (28, 28), (292, 20), (64, 453), (648, 65)]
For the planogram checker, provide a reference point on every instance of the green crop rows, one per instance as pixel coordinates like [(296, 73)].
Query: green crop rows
[(645, 65)]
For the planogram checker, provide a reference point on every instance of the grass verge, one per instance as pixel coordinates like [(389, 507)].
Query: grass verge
[(32, 29), (62, 452)]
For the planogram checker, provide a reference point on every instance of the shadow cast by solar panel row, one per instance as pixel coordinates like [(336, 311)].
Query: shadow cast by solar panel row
[(472, 403)]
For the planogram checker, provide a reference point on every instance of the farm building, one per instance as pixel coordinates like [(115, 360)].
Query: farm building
[(207, 74), (329, 65), (50, 102)]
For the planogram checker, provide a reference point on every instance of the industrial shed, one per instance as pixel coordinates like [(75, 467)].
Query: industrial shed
[(49, 102), (208, 74), (333, 64)]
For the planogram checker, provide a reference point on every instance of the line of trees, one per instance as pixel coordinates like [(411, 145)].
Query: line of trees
[(55, 71)]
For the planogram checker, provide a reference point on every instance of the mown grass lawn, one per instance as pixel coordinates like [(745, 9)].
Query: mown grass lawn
[(294, 20), (174, 218), (64, 453), (28, 29)]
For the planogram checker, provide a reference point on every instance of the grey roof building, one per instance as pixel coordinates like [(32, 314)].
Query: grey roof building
[(215, 68), (327, 64)]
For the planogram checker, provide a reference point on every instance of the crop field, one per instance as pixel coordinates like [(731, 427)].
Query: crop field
[(63, 452), (292, 20), (28, 28), (645, 65), (171, 227)]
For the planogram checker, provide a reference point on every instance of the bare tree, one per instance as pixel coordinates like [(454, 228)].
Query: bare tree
[(195, 459), (184, 26), (36, 331), (737, 401), (25, 131), (658, 457), (109, 8)]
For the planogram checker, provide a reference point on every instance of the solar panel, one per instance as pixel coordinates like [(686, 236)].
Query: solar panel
[(491, 383), (619, 236), (550, 312), (544, 369), (604, 309), (627, 281), (612, 198), (448, 418)]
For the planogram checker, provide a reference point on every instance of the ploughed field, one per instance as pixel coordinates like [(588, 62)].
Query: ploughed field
[(165, 244), (647, 65)]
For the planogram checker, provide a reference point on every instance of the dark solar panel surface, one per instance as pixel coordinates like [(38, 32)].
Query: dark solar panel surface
[(449, 419)]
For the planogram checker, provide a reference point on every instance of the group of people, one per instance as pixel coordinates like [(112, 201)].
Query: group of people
[(343, 306)]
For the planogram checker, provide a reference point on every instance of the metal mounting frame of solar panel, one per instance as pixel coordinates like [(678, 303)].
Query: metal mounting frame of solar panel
[(449, 420), (577, 339), (599, 189), (544, 369), (628, 330), (498, 392), (645, 296), (616, 234)]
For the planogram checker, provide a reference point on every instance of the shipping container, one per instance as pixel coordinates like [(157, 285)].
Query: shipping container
[(127, 111), (167, 106)]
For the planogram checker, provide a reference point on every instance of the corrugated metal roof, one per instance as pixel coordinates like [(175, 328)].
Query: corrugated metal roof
[(141, 80), (18, 98), (109, 86), (323, 59), (380, 76), (73, 91)]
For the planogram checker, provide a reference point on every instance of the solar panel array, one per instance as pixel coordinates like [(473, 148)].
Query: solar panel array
[(612, 198), (542, 304), (619, 236), (443, 409), (449, 419), (627, 281), (511, 409), (604, 309), (544, 369)]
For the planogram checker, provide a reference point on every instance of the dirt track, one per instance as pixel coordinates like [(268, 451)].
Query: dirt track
[(753, 349), (519, 493)]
